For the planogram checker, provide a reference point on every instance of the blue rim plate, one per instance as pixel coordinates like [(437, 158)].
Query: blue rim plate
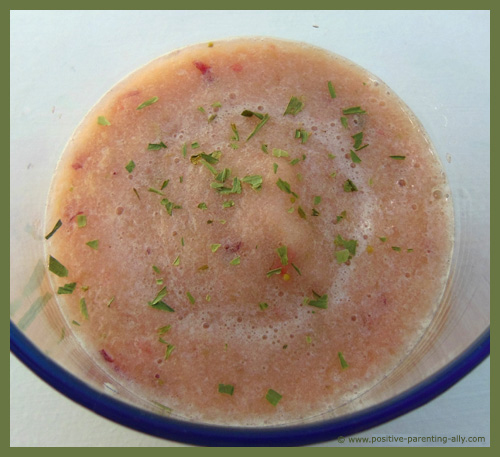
[(211, 435)]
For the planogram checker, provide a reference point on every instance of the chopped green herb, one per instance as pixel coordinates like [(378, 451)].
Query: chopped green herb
[(203, 268), (75, 323), (94, 244), (302, 134), (226, 389), (81, 220), (110, 301), (331, 89), (163, 330), (358, 140), (285, 187), (294, 107), (164, 184), (396, 248), (317, 200), (136, 193), (331, 156), (236, 189), (354, 157), (409, 250), (207, 298), (156, 269), (308, 339), (343, 121), (296, 269), (294, 161), (259, 126), (57, 268), (177, 261), (83, 308), (248, 113), (333, 174), (211, 158), (342, 256), (209, 167), (275, 167), (343, 363), (263, 306), (130, 166), (85, 288), (264, 148), (155, 191), (223, 175), (159, 296), (280, 153), (276, 271), (202, 205), (354, 110), (211, 117), (161, 305), (228, 204), (159, 281), (169, 350), (235, 261), (163, 407), (195, 145), (342, 215), (184, 150), (290, 210), (217, 105), (236, 136), (254, 180), (156, 146), (398, 157), (148, 102), (67, 288), (273, 397), (315, 212), (169, 206), (349, 186), (201, 109), (301, 212), (383, 239), (214, 247), (350, 245), (321, 301), (54, 230), (101, 120), (182, 241), (190, 298), (283, 253)]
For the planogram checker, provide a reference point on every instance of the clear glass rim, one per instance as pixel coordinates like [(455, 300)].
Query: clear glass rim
[(215, 435)]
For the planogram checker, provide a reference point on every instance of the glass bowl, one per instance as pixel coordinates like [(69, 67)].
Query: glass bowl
[(447, 87)]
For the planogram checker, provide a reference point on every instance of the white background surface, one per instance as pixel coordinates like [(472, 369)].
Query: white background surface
[(85, 53)]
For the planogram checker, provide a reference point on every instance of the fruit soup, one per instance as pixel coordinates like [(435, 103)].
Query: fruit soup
[(249, 232)]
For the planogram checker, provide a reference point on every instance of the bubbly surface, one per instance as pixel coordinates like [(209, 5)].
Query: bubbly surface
[(365, 268)]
